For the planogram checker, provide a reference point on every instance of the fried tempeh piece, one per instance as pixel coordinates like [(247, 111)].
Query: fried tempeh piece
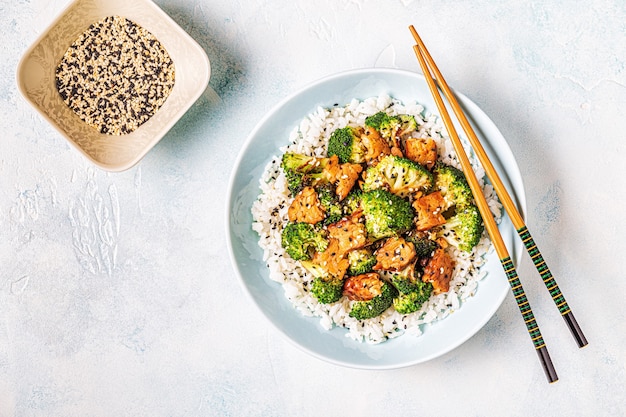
[(438, 271), (363, 287), (421, 150), (306, 207), (395, 254), (429, 210), (343, 176), (349, 232), (332, 259), (377, 146)]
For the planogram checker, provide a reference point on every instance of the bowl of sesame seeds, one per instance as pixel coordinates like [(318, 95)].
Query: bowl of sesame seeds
[(113, 77)]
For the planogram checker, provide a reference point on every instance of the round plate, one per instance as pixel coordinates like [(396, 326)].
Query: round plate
[(264, 142)]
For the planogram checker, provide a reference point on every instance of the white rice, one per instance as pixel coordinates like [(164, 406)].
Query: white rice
[(270, 214)]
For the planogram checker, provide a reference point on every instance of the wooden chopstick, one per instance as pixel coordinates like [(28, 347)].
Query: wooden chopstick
[(492, 228), (505, 198)]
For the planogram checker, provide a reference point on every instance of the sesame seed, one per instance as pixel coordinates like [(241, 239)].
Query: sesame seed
[(115, 76)]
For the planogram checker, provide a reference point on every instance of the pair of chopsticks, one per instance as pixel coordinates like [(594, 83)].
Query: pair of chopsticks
[(435, 82)]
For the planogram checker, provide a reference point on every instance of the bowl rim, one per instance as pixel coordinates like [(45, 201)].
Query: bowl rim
[(166, 126), (516, 252)]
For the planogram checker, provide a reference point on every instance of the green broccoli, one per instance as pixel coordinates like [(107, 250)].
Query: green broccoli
[(361, 261), (330, 203), (408, 124), (302, 240), (410, 302), (295, 182), (451, 182), (386, 214), (406, 280), (362, 310), (352, 202), (296, 166), (399, 175), (413, 292), (390, 126), (347, 145), (299, 163), (464, 229), (375, 120), (325, 288), (424, 246), (386, 125), (303, 170)]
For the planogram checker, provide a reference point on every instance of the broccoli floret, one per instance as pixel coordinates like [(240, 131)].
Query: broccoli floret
[(296, 166), (295, 182), (330, 203), (386, 125), (413, 292), (405, 281), (301, 240), (424, 246), (327, 290), (299, 163), (361, 261), (390, 126), (451, 182), (347, 145), (404, 285), (352, 202), (362, 310), (408, 124), (399, 175), (303, 170), (375, 120), (386, 214), (410, 302), (464, 229)]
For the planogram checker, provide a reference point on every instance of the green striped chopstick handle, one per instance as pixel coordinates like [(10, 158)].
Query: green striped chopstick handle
[(522, 303), (543, 270), (529, 318), (551, 285)]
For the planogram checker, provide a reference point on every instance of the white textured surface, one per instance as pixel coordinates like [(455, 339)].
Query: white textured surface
[(116, 292)]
